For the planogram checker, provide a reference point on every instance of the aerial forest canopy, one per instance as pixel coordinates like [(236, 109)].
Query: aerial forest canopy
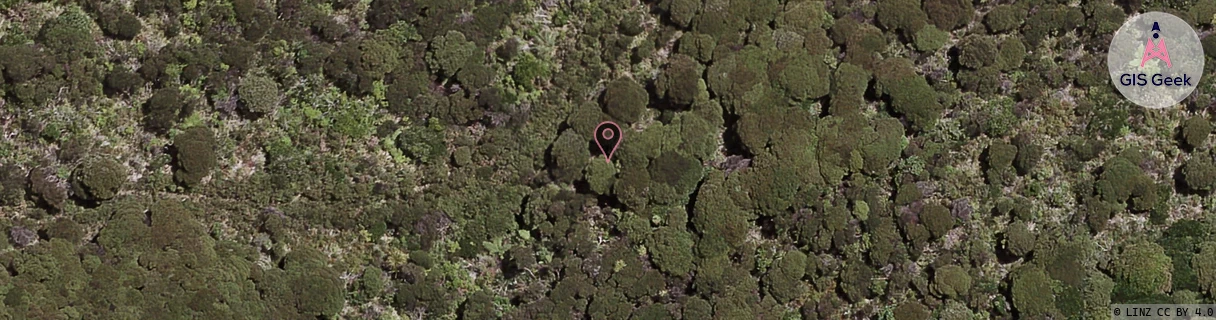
[(435, 159)]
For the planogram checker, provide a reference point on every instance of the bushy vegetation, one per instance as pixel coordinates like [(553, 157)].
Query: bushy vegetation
[(424, 159), (98, 178), (259, 94), (1195, 131), (625, 100), (195, 154)]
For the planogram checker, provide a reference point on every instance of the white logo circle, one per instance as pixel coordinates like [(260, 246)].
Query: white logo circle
[(1155, 60)]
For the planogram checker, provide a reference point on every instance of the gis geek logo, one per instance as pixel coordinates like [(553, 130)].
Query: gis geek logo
[(1155, 51), (1140, 64)]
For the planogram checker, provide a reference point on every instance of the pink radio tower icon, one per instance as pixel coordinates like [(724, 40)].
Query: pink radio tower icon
[(1157, 50)]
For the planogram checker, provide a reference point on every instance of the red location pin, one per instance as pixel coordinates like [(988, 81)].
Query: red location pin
[(608, 137)]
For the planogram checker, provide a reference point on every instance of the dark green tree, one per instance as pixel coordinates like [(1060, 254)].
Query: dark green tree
[(679, 79), (681, 12), (784, 279), (949, 14), (195, 154), (951, 281), (1019, 240), (856, 279), (1029, 153), (259, 94), (1010, 55), (12, 184), (978, 51), (120, 24), (449, 53), (1199, 172), (672, 250), (1195, 131), (849, 85), (1143, 268), (903, 15), (802, 77), (570, 153), (910, 95), (625, 99), (1032, 295), (70, 34), (99, 178), (911, 310), (937, 219), (164, 109), (1204, 263), (1004, 18)]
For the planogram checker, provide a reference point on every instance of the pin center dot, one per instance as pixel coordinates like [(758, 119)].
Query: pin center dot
[(608, 134)]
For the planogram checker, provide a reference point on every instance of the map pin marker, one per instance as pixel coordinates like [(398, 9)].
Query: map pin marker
[(608, 137)]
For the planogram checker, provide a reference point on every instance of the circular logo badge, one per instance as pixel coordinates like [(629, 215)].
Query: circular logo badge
[(1155, 60)]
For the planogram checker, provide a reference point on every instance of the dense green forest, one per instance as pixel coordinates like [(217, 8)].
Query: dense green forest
[(434, 159)]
